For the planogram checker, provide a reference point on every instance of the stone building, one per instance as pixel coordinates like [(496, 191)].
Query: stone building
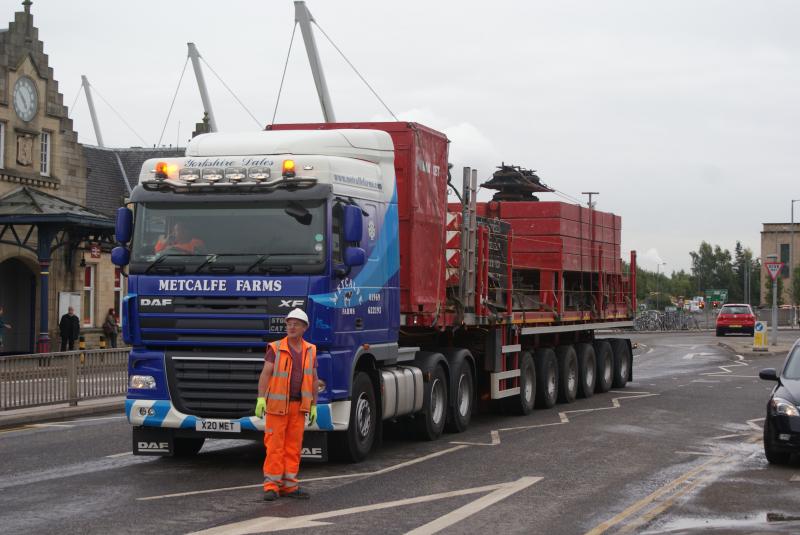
[(57, 202), (776, 239)]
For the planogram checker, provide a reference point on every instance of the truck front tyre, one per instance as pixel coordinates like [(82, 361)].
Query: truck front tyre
[(355, 444), (622, 362), (567, 374), (187, 447), (524, 402), (460, 411), (546, 378), (430, 422), (587, 372), (605, 366)]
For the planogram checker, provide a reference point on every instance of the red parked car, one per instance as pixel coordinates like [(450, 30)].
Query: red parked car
[(736, 318)]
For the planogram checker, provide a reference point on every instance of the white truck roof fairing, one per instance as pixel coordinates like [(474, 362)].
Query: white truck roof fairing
[(371, 145)]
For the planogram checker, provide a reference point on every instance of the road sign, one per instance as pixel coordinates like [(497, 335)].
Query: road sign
[(716, 295), (774, 268), (760, 336)]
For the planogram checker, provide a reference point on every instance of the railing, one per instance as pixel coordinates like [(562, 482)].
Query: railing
[(64, 377), (652, 320)]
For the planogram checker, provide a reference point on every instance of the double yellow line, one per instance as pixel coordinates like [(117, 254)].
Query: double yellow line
[(671, 492)]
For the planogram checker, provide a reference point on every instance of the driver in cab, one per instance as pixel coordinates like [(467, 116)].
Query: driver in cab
[(180, 239)]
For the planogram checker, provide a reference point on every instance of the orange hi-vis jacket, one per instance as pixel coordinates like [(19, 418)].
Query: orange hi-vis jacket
[(278, 391)]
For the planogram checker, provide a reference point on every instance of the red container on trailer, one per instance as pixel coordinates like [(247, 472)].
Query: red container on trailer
[(420, 162)]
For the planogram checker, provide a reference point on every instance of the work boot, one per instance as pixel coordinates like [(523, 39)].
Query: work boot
[(298, 494), (270, 496)]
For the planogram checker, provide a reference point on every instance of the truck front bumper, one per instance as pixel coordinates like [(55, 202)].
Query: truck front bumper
[(162, 413)]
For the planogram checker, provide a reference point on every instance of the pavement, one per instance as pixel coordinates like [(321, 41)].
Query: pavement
[(743, 344), (47, 413)]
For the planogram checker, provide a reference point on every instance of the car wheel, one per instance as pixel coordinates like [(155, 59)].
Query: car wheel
[(772, 454), (605, 366), (587, 371)]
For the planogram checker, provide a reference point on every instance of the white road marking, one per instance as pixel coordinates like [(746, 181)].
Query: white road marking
[(267, 524), (698, 453), (453, 517), (123, 454), (756, 424), (734, 435), (50, 425), (495, 441), (690, 356), (323, 478), (795, 478)]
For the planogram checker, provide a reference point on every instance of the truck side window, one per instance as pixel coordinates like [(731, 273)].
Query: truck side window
[(336, 233)]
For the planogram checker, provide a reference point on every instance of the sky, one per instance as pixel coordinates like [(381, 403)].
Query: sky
[(684, 115)]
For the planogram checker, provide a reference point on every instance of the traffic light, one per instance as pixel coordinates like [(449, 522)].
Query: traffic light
[(715, 304), (702, 305)]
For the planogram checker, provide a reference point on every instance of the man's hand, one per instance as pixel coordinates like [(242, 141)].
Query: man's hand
[(312, 415), (261, 407)]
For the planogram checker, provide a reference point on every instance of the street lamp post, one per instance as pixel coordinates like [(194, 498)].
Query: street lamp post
[(791, 267), (658, 277), (774, 257)]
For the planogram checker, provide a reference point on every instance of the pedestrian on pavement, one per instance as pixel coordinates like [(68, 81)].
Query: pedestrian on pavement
[(70, 328), (287, 393), (3, 326), (110, 327)]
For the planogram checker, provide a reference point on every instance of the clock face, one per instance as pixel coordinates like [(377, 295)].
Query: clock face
[(26, 98)]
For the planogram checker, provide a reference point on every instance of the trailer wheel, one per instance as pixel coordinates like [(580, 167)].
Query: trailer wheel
[(605, 366), (524, 402), (567, 374), (187, 446), (355, 444), (430, 422), (587, 372), (546, 377), (460, 411), (622, 362)]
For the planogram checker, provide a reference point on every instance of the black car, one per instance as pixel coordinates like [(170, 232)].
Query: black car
[(782, 425)]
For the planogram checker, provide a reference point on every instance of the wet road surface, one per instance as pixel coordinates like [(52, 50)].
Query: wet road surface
[(678, 451)]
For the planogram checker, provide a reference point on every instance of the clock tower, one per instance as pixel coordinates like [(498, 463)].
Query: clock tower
[(38, 147)]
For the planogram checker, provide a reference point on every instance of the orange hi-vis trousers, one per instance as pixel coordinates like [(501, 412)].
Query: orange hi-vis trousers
[(283, 438)]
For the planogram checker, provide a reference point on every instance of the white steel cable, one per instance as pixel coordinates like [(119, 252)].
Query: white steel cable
[(121, 118), (173, 102), (283, 76), (231, 92)]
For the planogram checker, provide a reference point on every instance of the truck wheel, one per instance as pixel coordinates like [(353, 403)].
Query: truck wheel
[(622, 362), (567, 374), (430, 422), (524, 402), (605, 366), (460, 411), (587, 371), (546, 377), (187, 447), (355, 444)]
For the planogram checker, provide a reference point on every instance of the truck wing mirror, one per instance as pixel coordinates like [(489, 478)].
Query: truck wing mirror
[(120, 256), (124, 225), (354, 256), (353, 223)]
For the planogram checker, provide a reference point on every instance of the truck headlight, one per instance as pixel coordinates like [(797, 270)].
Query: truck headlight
[(781, 407), (142, 381)]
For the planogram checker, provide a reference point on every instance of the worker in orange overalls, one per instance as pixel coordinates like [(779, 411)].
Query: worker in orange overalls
[(180, 239), (287, 393)]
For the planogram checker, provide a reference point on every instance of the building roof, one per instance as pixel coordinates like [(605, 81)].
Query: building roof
[(26, 205), (108, 170)]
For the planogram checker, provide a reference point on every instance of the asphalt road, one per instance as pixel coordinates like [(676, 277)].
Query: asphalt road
[(677, 451)]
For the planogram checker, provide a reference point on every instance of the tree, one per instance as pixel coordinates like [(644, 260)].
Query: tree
[(712, 267)]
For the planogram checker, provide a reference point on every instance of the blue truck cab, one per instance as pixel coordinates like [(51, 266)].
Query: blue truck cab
[(221, 244)]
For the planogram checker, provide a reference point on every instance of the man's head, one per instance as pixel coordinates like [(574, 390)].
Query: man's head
[(71, 311), (296, 324), (180, 232)]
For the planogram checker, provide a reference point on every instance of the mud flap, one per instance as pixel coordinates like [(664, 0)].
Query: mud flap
[(315, 446), (152, 441)]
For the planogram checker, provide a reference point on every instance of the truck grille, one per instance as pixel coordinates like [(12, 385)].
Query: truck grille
[(221, 387)]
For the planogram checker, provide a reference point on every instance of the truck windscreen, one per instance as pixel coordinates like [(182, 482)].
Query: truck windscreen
[(218, 238)]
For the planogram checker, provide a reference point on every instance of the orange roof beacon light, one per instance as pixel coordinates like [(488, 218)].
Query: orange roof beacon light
[(288, 168), (164, 170)]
